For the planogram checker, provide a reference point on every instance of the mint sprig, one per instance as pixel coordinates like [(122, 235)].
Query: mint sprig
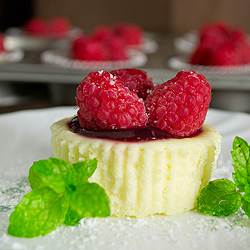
[(39, 213), (241, 163), (224, 197), (61, 194), (219, 197)]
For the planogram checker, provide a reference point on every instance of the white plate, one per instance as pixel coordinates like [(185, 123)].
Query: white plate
[(25, 138), (187, 42), (149, 46), (11, 56), (61, 59), (17, 38)]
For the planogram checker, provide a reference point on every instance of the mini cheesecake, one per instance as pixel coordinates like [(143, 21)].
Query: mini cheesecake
[(143, 172)]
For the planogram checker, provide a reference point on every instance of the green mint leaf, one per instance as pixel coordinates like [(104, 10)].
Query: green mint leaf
[(218, 198), (246, 206), (246, 200), (54, 173), (241, 164), (246, 195), (85, 169), (34, 179), (61, 194), (89, 200), (72, 218), (39, 213)]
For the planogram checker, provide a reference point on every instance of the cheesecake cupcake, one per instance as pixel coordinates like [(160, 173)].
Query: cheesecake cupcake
[(154, 154)]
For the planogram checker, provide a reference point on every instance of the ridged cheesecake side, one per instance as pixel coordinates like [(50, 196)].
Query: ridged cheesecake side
[(160, 176)]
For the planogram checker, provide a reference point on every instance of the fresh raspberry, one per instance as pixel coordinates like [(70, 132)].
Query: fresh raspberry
[(243, 50), (78, 45), (211, 35), (95, 51), (225, 55), (88, 49), (214, 33), (179, 106), (131, 33), (37, 27), (103, 32), (137, 80), (239, 38), (200, 56), (2, 42), (59, 26), (213, 40), (116, 48), (105, 103)]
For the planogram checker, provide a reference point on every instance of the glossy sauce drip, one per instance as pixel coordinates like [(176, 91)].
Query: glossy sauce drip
[(130, 135)]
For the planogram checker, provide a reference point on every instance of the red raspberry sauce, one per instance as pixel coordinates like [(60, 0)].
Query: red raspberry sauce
[(141, 134)]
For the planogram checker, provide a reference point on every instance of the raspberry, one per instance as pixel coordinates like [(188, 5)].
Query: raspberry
[(240, 39), (37, 27), (211, 37), (179, 106), (103, 32), (244, 52), (214, 33), (77, 46), (59, 26), (2, 42), (200, 55), (137, 80), (88, 49), (131, 33), (105, 103), (226, 54), (238, 36), (116, 48)]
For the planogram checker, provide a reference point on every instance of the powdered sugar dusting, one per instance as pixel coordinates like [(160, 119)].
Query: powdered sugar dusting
[(112, 82), (112, 77)]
